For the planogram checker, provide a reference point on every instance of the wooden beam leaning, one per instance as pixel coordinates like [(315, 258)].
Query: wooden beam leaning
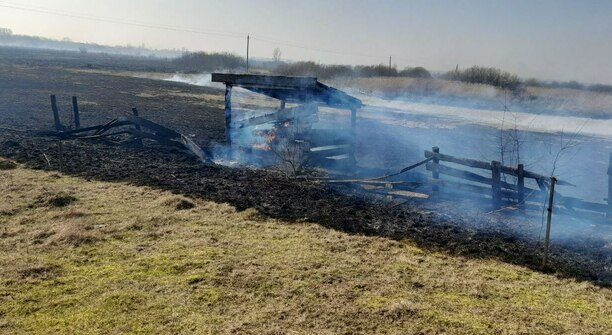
[(56, 117), (249, 80)]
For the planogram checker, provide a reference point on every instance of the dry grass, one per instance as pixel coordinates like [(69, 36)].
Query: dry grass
[(563, 100), (400, 86), (127, 259)]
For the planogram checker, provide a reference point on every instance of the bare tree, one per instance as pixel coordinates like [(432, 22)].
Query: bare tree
[(276, 55), (6, 32)]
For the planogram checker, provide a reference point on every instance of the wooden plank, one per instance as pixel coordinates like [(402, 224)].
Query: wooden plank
[(155, 127), (449, 171), (462, 161), (471, 188), (194, 149), (307, 112), (338, 157), (329, 151), (255, 80)]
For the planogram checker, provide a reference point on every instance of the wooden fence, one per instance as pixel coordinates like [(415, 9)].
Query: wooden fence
[(500, 191)]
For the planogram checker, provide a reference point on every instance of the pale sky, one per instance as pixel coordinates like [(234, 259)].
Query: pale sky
[(547, 39)]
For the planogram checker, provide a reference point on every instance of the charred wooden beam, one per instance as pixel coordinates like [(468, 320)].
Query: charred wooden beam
[(457, 173), (56, 117), (303, 113), (250, 80), (329, 150)]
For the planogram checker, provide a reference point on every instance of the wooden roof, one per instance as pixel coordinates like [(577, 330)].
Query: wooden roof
[(290, 89)]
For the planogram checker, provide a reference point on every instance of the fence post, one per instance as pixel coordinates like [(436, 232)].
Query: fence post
[(609, 214), (434, 174), (520, 182), (551, 196), (56, 117), (228, 115), (496, 184), (75, 111)]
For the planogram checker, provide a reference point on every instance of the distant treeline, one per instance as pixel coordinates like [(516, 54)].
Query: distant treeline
[(324, 71), (93, 55), (602, 88), (502, 79), (7, 38)]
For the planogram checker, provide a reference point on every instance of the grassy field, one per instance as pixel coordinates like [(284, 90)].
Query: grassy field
[(80, 256)]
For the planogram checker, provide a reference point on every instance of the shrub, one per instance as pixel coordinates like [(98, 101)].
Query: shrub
[(486, 75), (314, 70), (415, 72), (601, 88), (202, 61)]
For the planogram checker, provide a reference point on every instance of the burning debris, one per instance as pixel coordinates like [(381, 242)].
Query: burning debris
[(290, 133)]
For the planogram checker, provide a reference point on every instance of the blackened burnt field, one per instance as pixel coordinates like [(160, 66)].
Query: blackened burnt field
[(24, 106)]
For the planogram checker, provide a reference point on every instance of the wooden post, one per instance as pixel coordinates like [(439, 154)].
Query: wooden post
[(75, 110), (551, 195), (434, 174), (282, 105), (520, 182), (496, 184), (609, 214), (56, 117), (228, 115), (137, 126)]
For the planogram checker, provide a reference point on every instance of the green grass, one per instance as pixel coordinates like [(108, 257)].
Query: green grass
[(123, 259)]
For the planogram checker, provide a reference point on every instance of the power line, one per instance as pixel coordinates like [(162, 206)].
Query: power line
[(229, 34), (44, 10)]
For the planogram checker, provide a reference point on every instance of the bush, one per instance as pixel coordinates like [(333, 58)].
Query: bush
[(415, 72), (601, 88), (330, 71), (486, 75), (202, 61), (313, 69)]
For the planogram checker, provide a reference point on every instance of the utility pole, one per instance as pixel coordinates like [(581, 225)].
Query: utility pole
[(247, 65), (389, 65)]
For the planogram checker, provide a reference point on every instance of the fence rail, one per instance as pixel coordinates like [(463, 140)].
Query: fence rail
[(499, 189)]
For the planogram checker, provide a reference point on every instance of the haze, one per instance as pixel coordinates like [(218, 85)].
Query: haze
[(554, 40)]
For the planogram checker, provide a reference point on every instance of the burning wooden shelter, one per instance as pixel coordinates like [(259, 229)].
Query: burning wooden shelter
[(307, 94)]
